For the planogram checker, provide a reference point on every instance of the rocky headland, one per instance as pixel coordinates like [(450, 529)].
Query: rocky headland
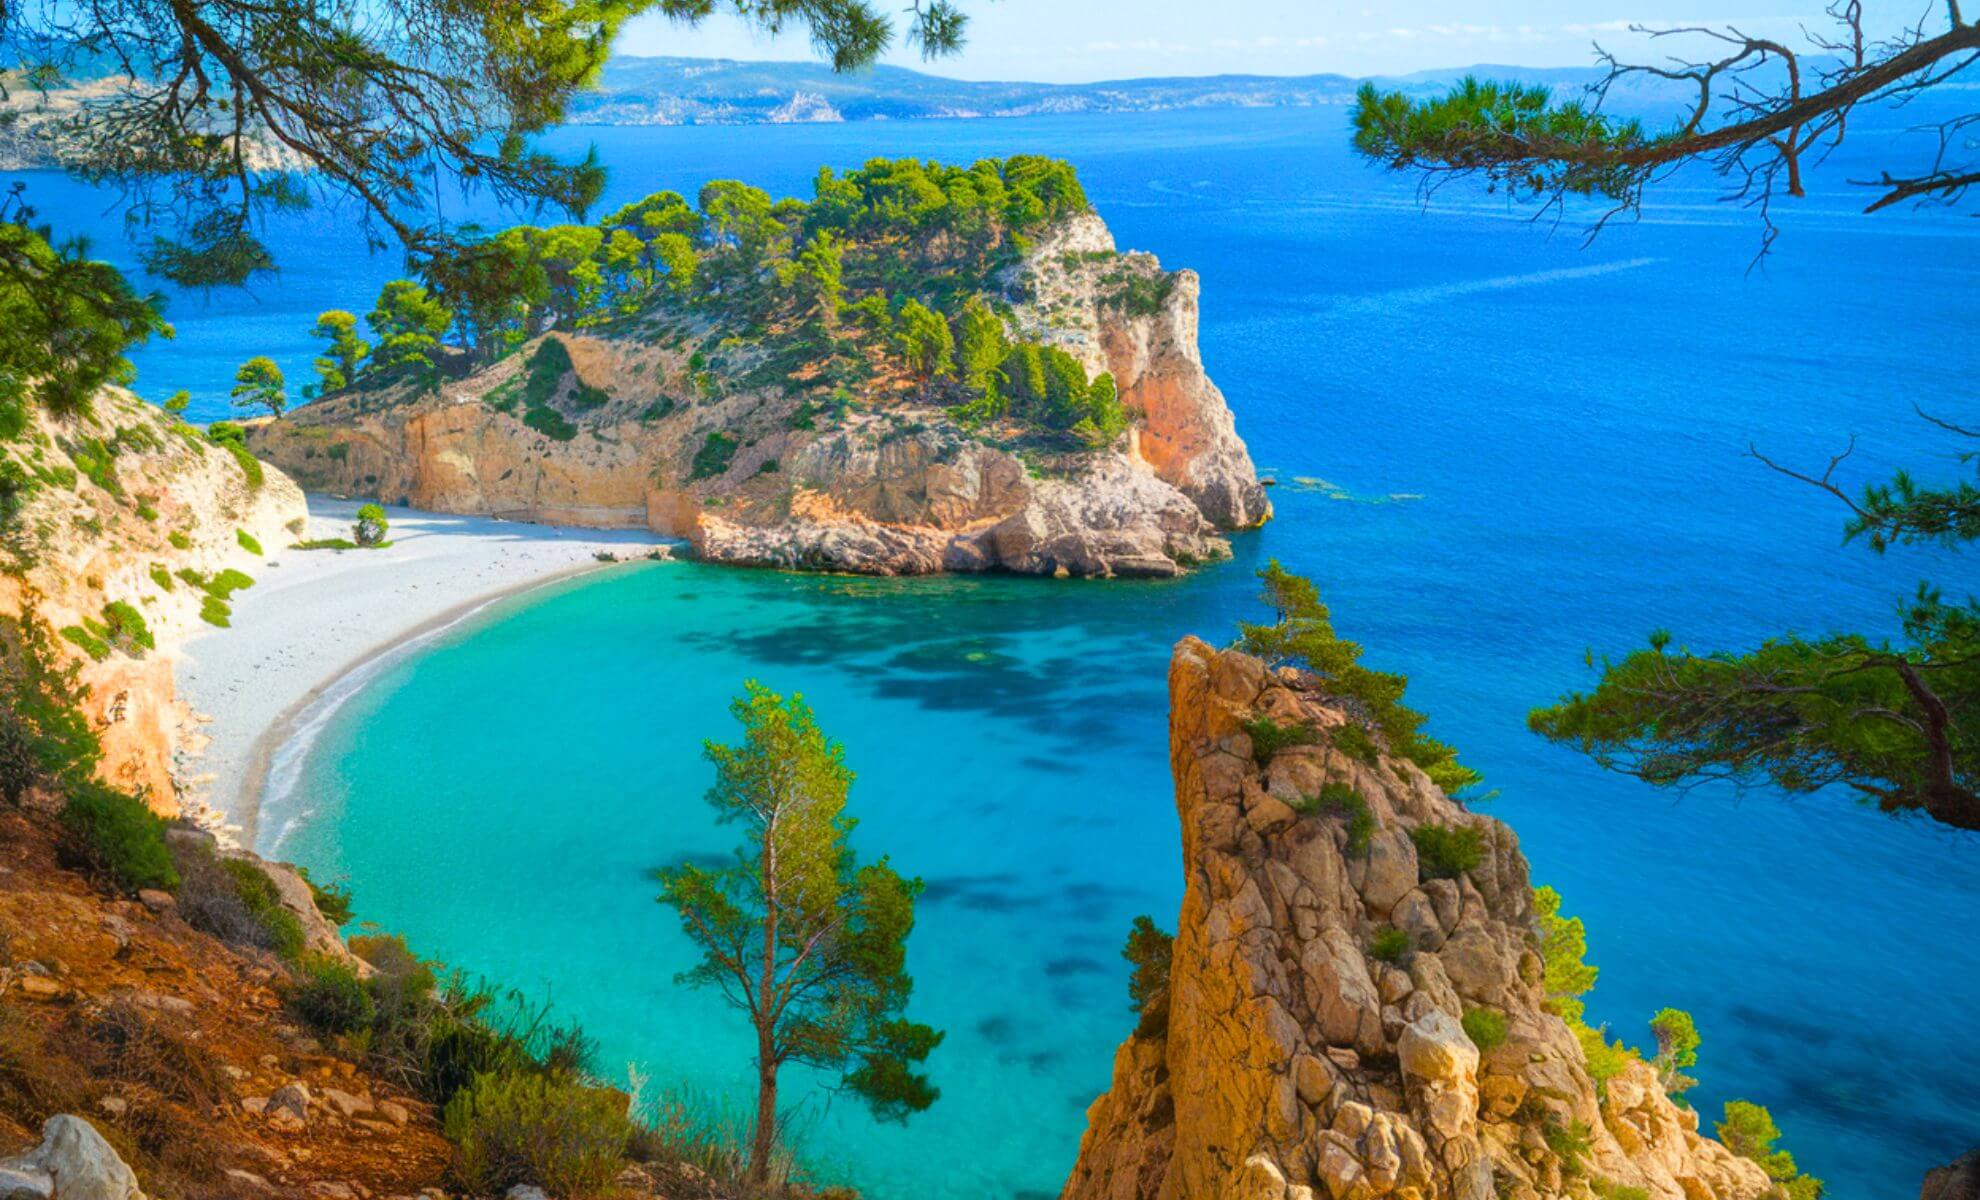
[(1288, 1060), (672, 423)]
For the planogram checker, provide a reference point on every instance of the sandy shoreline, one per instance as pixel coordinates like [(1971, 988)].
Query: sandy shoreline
[(319, 619)]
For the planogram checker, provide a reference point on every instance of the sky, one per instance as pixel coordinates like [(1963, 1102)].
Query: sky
[(1083, 40)]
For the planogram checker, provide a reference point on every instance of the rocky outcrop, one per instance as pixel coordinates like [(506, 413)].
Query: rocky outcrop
[(886, 483), (1957, 1180), (1295, 1064), (123, 504), (73, 1162)]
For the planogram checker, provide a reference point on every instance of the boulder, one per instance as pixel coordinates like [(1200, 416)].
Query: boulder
[(1957, 1180), (73, 1162)]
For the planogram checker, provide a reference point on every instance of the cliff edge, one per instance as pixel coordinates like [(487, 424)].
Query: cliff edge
[(1292, 1062), (127, 529)]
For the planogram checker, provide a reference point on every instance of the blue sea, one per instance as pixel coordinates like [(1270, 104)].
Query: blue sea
[(1496, 447)]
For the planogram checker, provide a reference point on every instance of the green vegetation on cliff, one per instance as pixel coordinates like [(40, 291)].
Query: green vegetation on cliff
[(887, 281)]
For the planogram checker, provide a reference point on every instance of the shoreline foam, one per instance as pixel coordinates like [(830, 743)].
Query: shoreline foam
[(319, 624)]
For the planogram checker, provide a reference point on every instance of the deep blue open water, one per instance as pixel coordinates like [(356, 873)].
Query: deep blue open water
[(1529, 447)]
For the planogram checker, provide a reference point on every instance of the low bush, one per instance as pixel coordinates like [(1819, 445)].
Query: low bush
[(247, 541), (1485, 1027), (330, 997), (713, 457), (1268, 737), (552, 1131), (710, 1135), (1446, 851), (281, 930), (1390, 945), (1339, 800), (333, 900), (161, 577), (217, 613), (125, 628), (116, 838), (550, 423), (179, 540), (1352, 740)]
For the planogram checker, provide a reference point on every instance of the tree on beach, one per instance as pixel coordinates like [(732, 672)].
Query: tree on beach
[(259, 384), (1761, 113), (371, 527), (807, 941)]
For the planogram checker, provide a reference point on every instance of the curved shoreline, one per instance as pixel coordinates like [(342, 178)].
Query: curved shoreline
[(317, 624), (319, 703)]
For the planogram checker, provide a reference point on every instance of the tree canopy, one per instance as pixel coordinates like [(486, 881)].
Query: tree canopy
[(1895, 720), (211, 114), (1762, 113), (894, 265)]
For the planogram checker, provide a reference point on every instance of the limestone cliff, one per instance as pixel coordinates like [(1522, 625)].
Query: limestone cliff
[(130, 505), (1295, 1064), (672, 422)]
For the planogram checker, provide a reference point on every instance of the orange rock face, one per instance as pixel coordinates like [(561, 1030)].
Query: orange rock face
[(1288, 1062)]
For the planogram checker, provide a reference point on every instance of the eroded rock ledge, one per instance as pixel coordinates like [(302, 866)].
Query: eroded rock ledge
[(891, 485), (1294, 1065)]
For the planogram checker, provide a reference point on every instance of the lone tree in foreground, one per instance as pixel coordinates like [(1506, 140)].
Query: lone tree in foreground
[(1897, 722), (807, 942), (1762, 112)]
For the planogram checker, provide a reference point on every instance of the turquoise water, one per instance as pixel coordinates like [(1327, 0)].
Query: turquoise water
[(1529, 447)]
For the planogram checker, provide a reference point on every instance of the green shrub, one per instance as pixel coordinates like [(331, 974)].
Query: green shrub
[(216, 612), (145, 512), (1339, 800), (87, 642), (330, 997), (125, 628), (1447, 851), (179, 540), (1485, 1027), (770, 467), (1390, 945), (325, 544), (333, 900), (713, 457), (226, 583), (247, 541), (249, 464), (161, 577), (1352, 740), (1570, 1143), (550, 423), (117, 838), (1748, 1130), (1149, 951), (1268, 737), (555, 1132), (1605, 1190), (281, 929), (659, 410), (1606, 1059)]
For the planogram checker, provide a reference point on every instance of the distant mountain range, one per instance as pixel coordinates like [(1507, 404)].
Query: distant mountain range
[(702, 91)]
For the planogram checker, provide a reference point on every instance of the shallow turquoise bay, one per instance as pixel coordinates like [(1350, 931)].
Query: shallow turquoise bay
[(1513, 448)]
